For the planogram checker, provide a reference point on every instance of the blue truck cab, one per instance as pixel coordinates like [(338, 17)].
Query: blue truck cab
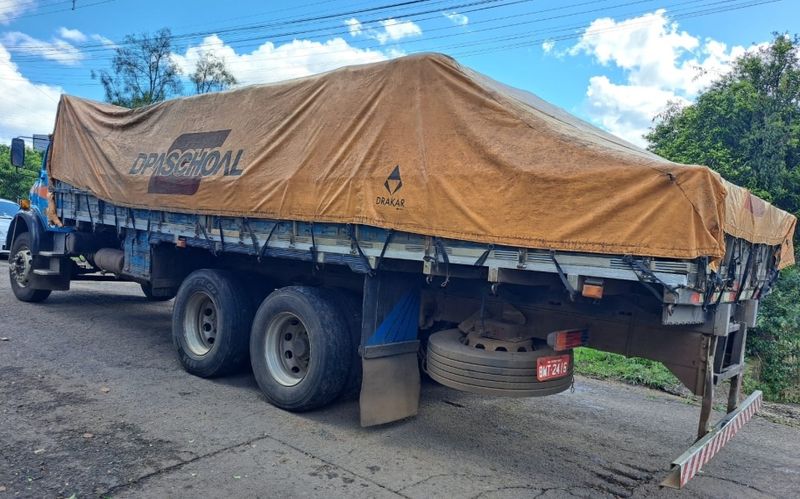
[(30, 233), (33, 214)]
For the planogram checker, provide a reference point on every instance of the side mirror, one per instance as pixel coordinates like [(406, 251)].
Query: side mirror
[(18, 152)]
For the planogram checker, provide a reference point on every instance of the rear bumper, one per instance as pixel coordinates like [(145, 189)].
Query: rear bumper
[(690, 462)]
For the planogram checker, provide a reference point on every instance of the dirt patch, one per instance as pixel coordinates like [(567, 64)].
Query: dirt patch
[(55, 446)]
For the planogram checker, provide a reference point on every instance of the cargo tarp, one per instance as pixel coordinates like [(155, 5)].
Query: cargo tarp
[(419, 144)]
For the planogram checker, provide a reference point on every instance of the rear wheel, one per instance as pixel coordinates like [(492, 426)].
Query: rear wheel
[(300, 348), (211, 323), (20, 270)]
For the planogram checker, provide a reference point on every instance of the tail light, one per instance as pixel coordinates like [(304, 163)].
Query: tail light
[(592, 288), (568, 339)]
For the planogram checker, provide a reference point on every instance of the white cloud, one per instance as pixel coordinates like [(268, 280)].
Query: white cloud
[(105, 41), (548, 46), (57, 50), (26, 107), (391, 30), (660, 63), (456, 18), (354, 26), (394, 30), (626, 110), (270, 62), (9, 9), (73, 35)]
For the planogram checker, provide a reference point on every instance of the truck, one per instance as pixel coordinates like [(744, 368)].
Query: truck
[(350, 232)]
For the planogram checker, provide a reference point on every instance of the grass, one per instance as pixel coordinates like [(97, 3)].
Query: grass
[(632, 370)]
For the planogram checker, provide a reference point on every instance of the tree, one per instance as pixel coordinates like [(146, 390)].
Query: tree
[(211, 74), (747, 127), (142, 71), (15, 183)]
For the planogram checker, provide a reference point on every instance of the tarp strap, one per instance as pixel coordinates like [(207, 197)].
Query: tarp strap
[(719, 297), (253, 238), (482, 259), (133, 224), (773, 275), (659, 296), (640, 270), (266, 243), (746, 274), (149, 223), (89, 209), (563, 276), (313, 249), (714, 283), (221, 234), (441, 250), (63, 201), (389, 235), (354, 241), (201, 229)]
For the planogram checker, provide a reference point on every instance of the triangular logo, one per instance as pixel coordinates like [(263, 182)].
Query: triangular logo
[(393, 182)]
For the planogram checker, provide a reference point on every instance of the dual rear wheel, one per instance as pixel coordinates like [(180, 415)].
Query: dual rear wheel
[(299, 341)]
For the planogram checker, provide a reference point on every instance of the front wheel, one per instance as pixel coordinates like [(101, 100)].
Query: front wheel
[(301, 348), (20, 270)]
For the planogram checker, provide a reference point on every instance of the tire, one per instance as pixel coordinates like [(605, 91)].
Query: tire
[(147, 290), (20, 269), (351, 304), (211, 322), (505, 374), (301, 348)]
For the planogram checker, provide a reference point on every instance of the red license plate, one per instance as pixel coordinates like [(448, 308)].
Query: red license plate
[(552, 367)]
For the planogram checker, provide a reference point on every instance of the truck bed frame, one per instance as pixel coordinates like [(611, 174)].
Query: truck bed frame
[(690, 315)]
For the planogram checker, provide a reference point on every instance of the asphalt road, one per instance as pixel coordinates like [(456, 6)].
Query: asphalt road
[(93, 402)]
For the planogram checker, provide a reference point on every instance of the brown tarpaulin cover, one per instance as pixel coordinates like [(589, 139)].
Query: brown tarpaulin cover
[(419, 144)]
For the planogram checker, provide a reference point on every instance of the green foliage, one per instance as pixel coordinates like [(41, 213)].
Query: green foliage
[(142, 71), (633, 370), (15, 183), (777, 342), (747, 127), (211, 74)]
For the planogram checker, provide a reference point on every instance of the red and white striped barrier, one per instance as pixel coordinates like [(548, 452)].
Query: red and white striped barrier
[(690, 462)]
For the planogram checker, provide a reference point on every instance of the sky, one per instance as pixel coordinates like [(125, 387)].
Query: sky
[(614, 63)]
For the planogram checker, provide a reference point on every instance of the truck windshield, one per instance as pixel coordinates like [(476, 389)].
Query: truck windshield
[(8, 208)]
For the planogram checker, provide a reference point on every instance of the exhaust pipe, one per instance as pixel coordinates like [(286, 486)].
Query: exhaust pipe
[(110, 259)]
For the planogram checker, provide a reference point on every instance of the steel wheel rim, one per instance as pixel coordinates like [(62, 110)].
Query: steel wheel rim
[(21, 265), (200, 324), (287, 349)]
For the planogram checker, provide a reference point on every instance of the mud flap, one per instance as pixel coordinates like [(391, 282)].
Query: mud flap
[(390, 385)]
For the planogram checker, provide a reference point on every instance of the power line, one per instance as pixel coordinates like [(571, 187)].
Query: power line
[(37, 14), (722, 6), (474, 6), (290, 21), (529, 43)]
